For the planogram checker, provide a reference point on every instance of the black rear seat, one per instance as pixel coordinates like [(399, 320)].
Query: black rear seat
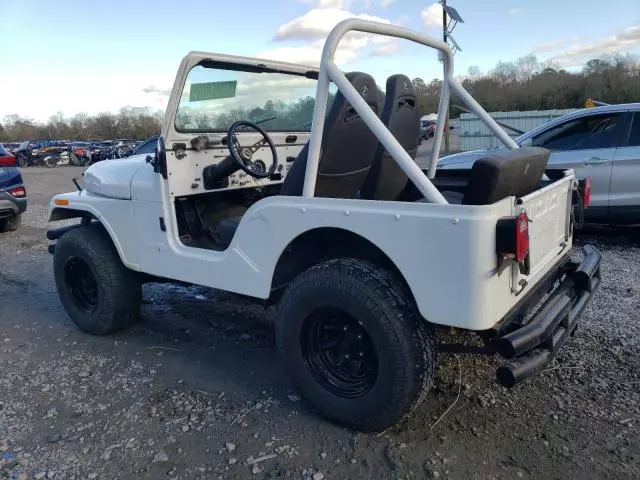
[(502, 174)]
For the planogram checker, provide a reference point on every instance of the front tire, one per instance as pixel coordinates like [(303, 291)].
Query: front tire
[(10, 224), (51, 162), (353, 343), (98, 292)]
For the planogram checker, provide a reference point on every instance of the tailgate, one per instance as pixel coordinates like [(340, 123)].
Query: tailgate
[(549, 212)]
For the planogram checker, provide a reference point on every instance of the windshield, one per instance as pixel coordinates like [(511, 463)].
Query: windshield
[(214, 98)]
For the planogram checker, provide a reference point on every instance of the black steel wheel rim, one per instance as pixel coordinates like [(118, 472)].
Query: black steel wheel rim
[(82, 284), (339, 353)]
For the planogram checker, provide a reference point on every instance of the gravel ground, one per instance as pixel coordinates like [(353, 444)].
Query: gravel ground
[(195, 390)]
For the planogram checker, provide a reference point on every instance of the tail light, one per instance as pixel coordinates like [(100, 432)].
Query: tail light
[(8, 161), (18, 192), (512, 238), (586, 192), (522, 237)]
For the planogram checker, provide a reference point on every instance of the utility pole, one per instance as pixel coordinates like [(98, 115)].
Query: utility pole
[(444, 78)]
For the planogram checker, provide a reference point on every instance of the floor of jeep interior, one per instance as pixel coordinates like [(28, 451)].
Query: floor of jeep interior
[(209, 220)]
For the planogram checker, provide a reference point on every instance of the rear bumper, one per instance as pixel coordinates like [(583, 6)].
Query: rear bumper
[(531, 346), (10, 205)]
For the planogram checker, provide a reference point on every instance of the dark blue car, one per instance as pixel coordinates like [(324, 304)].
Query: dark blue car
[(13, 195)]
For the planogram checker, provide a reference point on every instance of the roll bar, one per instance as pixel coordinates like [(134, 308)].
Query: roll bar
[(330, 72)]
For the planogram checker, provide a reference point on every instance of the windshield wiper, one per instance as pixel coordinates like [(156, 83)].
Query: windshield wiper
[(265, 120), (268, 119)]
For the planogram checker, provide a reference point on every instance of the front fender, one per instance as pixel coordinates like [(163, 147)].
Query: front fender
[(113, 214)]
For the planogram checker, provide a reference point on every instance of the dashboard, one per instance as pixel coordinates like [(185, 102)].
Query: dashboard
[(187, 165)]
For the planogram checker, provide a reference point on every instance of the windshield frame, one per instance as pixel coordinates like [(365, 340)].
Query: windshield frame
[(266, 67)]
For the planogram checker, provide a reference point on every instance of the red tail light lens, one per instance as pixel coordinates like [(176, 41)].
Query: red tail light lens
[(522, 237), (512, 238), (18, 192), (586, 192), (8, 161)]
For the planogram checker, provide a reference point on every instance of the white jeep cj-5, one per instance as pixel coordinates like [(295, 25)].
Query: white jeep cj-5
[(363, 251)]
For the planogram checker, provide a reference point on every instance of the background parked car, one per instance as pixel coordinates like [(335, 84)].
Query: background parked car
[(23, 153), (602, 143), (10, 147), (13, 195)]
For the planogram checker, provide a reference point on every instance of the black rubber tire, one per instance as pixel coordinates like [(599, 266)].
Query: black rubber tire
[(404, 342), (119, 288), (10, 224)]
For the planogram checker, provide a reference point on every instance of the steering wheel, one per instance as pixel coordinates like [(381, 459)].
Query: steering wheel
[(242, 155)]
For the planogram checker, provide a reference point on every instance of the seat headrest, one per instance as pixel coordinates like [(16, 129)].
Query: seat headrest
[(400, 88), (366, 87)]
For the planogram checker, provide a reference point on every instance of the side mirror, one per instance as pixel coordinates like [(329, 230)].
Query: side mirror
[(160, 161)]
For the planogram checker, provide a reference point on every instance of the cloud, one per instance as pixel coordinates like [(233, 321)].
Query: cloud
[(303, 55), (386, 3), (310, 54), (515, 11), (576, 53), (432, 15), (317, 23), (92, 92), (160, 91), (553, 46), (386, 49), (312, 28)]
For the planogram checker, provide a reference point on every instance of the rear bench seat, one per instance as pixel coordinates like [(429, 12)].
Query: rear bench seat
[(502, 174)]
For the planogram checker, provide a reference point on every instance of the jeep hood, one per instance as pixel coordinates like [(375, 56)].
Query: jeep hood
[(112, 178)]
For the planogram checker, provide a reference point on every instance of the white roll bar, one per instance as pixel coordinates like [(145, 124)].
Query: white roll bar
[(329, 71)]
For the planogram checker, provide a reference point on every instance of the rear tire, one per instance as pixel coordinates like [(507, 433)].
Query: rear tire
[(10, 224), (352, 341), (98, 292)]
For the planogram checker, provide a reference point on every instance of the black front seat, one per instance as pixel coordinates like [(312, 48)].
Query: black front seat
[(386, 180), (347, 148), (346, 154)]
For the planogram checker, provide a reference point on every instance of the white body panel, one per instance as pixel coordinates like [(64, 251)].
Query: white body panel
[(446, 253), (109, 177)]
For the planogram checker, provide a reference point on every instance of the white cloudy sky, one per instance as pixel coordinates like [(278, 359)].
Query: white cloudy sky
[(99, 56)]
